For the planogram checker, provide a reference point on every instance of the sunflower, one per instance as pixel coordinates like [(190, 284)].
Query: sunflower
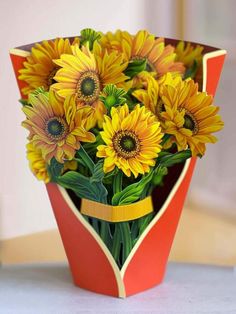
[(160, 58), (39, 69), (149, 90), (56, 126), (190, 117), (37, 163), (132, 140), (84, 74), (187, 53)]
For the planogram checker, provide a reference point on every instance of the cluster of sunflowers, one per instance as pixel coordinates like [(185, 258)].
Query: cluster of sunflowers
[(109, 111)]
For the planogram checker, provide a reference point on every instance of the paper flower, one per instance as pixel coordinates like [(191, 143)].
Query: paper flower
[(190, 116), (84, 74), (37, 163), (187, 53), (149, 92), (39, 69), (160, 58), (132, 140), (56, 126)]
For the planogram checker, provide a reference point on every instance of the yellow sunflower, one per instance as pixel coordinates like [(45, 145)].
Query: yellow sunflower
[(160, 58), (56, 126), (84, 74), (190, 117), (149, 90), (39, 69), (37, 163), (132, 140), (187, 53)]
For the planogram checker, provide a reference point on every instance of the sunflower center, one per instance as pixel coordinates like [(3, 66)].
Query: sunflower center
[(88, 87), (126, 144), (190, 122), (51, 75), (56, 128)]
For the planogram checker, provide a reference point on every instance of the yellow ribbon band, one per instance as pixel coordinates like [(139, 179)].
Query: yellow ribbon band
[(117, 213)]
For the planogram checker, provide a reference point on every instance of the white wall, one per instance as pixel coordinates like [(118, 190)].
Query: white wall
[(214, 182)]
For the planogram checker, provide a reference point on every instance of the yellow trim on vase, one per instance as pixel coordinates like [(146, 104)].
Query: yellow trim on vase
[(206, 57), (19, 52)]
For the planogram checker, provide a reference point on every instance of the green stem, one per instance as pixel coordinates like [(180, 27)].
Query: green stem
[(145, 191), (123, 227), (165, 139), (117, 183), (85, 158), (126, 240), (95, 225), (134, 231), (144, 222), (105, 233), (116, 244)]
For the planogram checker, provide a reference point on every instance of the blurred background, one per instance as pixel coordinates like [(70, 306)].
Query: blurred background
[(207, 231)]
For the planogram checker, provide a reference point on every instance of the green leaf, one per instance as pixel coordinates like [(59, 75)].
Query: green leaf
[(98, 173), (168, 160), (135, 67), (54, 169), (82, 154), (108, 177), (132, 192), (191, 72), (83, 187)]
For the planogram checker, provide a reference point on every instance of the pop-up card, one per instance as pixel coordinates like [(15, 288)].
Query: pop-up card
[(115, 124)]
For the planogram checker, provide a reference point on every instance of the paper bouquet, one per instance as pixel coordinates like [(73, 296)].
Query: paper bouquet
[(115, 124)]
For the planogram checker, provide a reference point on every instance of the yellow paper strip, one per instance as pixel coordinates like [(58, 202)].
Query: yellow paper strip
[(117, 213)]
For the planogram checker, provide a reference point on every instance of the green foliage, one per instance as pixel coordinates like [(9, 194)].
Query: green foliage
[(109, 177), (135, 67), (83, 187), (133, 192), (158, 175), (54, 169), (98, 173), (88, 35), (112, 96), (192, 71), (168, 159)]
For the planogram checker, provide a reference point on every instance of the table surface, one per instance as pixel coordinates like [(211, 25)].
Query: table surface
[(48, 288)]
